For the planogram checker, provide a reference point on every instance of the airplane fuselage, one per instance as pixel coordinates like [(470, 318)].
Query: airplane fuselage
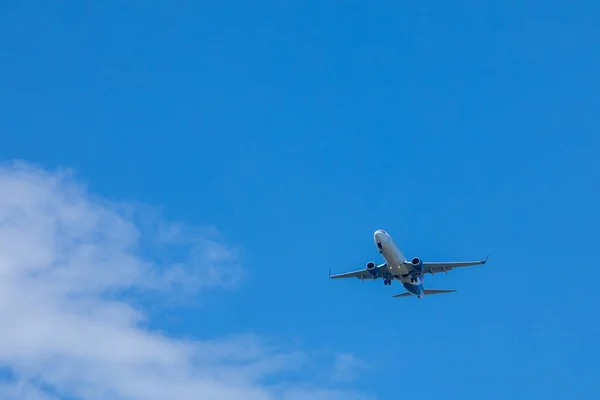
[(411, 278)]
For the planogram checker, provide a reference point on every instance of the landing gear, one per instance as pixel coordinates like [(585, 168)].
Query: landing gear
[(387, 281)]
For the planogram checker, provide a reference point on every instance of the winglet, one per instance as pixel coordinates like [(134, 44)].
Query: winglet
[(486, 258), (330, 273)]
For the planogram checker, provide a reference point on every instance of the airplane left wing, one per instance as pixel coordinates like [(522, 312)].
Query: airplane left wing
[(435, 267), (362, 274)]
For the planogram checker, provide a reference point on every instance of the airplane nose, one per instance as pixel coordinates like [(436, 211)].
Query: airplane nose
[(378, 237)]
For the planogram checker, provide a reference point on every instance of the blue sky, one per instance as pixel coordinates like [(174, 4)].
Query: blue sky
[(298, 129)]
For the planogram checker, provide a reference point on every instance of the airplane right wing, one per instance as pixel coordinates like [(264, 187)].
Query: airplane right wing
[(362, 273), (435, 267)]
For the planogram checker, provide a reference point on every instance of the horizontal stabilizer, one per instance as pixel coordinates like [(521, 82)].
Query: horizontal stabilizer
[(405, 294), (426, 292), (438, 291)]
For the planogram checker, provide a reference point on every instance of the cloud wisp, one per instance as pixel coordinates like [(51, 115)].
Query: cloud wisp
[(69, 261)]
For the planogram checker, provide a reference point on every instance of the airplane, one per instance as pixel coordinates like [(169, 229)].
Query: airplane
[(410, 273)]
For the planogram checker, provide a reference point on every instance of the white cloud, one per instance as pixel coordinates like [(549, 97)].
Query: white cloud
[(67, 258), (346, 367)]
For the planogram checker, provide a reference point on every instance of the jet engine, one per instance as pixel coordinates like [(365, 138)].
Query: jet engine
[(417, 263), (372, 268)]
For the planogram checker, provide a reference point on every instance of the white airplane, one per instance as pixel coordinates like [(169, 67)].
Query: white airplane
[(410, 273)]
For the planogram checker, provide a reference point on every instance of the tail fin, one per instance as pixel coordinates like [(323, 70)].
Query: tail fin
[(426, 292)]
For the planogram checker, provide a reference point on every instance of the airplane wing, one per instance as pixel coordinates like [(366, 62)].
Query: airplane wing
[(360, 274), (435, 267)]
